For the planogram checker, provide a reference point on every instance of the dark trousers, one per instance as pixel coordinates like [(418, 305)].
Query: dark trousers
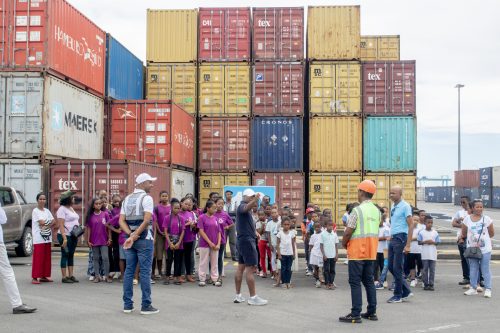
[(175, 257), (379, 266), (286, 268), (465, 264), (220, 260), (114, 254), (329, 270), (188, 249), (361, 271), (428, 272), (396, 263), (231, 238)]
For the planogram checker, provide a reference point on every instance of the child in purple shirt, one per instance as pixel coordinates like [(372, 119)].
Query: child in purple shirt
[(209, 245), (98, 239), (174, 226), (189, 236), (225, 222)]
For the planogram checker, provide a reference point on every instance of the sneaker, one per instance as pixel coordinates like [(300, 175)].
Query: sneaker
[(91, 278), (309, 273), (470, 292), (464, 282), (407, 298), (386, 284), (256, 300), (369, 316), (431, 288), (487, 293), (136, 282), (350, 319), (318, 284), (394, 299), (128, 310), (153, 281), (218, 283), (23, 309), (427, 288), (74, 279), (239, 299), (66, 279), (379, 286), (149, 310), (413, 283), (202, 284), (479, 289)]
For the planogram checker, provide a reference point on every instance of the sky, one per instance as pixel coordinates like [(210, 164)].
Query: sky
[(453, 41)]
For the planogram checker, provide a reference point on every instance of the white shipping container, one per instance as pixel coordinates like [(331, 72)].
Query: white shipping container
[(496, 176), (42, 116), (23, 175), (181, 184)]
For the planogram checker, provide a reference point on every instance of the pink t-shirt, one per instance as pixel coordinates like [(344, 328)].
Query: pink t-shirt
[(175, 225), (224, 220), (189, 235), (211, 227), (98, 229), (70, 218)]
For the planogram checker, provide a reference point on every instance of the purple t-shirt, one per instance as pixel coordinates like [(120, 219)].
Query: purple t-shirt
[(224, 220), (211, 227), (189, 235), (98, 229), (115, 211), (174, 225), (115, 222), (162, 212)]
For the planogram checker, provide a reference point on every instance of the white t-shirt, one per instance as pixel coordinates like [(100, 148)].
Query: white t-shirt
[(273, 228), (383, 231), (315, 242), (473, 230), (3, 220), (329, 241), (40, 237), (429, 252), (414, 247), (70, 218), (286, 247), (460, 214)]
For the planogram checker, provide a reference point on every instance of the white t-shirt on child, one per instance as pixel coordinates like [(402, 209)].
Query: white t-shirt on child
[(414, 247), (384, 231), (429, 252), (286, 247), (315, 242)]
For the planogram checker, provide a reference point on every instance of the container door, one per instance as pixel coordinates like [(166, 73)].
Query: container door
[(212, 141), (388, 48), (237, 34), (183, 138), (159, 81), (403, 88), (265, 32), (265, 89), (376, 88), (382, 181), (368, 48), (408, 184), (237, 143), (321, 88), (291, 191), (211, 90), (291, 89), (157, 133), (291, 34), (181, 184), (212, 34), (184, 84), (24, 176), (126, 138), (237, 90), (348, 88)]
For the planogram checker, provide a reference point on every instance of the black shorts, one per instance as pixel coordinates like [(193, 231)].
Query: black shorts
[(247, 251), (413, 259)]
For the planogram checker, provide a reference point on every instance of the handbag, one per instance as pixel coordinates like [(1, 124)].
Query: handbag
[(174, 238), (77, 231), (475, 252)]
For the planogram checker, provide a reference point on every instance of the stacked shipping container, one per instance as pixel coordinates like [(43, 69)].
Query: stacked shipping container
[(481, 184)]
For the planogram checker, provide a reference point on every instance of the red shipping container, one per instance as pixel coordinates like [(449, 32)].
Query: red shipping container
[(278, 89), (290, 189), (88, 177), (53, 35), (278, 34), (158, 132), (224, 144), (467, 178), (224, 34), (389, 88)]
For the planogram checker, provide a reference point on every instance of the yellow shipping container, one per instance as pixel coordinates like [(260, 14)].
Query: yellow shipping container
[(335, 144), (172, 35), (335, 88), (215, 182), (379, 48), (224, 89), (176, 82), (333, 33), (385, 181), (334, 191)]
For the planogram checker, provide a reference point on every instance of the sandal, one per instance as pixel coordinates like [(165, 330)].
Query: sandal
[(44, 279), (97, 279), (35, 281)]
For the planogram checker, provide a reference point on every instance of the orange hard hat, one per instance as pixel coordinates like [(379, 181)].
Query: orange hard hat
[(367, 186)]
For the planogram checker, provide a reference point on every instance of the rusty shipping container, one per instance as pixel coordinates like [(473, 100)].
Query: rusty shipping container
[(290, 189), (158, 132), (88, 177), (53, 36), (467, 178), (224, 34), (333, 33), (224, 144), (382, 48), (384, 182), (278, 34), (278, 89), (42, 116), (389, 88), (215, 182)]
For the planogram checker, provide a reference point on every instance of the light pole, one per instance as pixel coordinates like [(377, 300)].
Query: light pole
[(458, 86)]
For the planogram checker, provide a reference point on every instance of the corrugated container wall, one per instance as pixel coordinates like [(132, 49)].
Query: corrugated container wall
[(224, 34), (334, 191), (54, 36), (467, 178), (486, 177), (389, 88), (214, 182), (443, 194), (335, 144), (23, 175), (496, 176), (485, 194), (124, 72), (290, 189), (277, 144), (379, 48), (42, 116), (172, 35), (278, 89), (176, 82), (384, 182), (390, 144), (181, 184), (334, 88), (88, 177), (495, 202), (224, 89), (224, 144), (278, 34), (471, 192), (333, 33)]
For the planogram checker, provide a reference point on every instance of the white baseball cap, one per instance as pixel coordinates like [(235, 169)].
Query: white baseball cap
[(248, 192), (144, 177)]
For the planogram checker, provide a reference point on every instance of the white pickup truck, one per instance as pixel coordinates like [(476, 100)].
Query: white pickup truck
[(17, 230)]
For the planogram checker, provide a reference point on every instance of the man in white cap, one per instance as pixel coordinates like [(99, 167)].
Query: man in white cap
[(247, 251), (136, 222)]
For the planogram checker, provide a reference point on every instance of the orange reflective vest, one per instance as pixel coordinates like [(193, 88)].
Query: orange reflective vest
[(364, 240)]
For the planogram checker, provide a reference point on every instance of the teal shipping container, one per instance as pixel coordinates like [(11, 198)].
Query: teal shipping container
[(390, 144), (124, 72)]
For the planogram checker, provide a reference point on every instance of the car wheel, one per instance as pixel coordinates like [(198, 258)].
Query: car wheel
[(25, 248)]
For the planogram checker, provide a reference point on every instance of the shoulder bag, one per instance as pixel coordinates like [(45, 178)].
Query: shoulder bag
[(475, 251)]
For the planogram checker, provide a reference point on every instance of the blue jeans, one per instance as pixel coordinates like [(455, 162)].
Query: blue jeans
[(361, 271), (385, 270), (142, 252), (396, 264), (286, 268), (484, 265)]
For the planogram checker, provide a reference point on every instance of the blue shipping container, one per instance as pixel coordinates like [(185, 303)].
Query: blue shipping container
[(486, 177), (485, 195), (495, 201), (441, 194), (277, 144), (390, 144), (472, 193), (124, 72)]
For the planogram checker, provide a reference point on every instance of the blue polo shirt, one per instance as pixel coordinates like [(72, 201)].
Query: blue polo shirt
[(399, 213)]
